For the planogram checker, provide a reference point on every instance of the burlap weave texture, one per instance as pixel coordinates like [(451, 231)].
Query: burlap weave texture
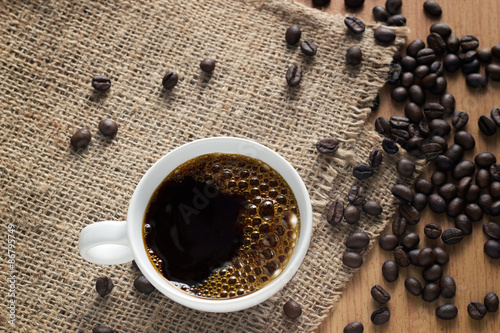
[(49, 51)]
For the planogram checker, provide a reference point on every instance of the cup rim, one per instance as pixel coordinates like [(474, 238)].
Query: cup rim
[(160, 170)]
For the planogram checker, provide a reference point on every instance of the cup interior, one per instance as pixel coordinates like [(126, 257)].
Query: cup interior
[(163, 167)]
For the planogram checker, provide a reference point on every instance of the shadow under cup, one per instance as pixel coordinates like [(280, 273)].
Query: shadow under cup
[(163, 168)]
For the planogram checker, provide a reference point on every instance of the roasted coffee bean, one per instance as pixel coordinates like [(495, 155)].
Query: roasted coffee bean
[(455, 153), (388, 242), (409, 213), (446, 311), (432, 273), (372, 207), (390, 271), (487, 125), (108, 127), (424, 186), (352, 259), (492, 249), (476, 310), (406, 168), (170, 80), (463, 223), (413, 256), (471, 67), (448, 102), (408, 63), (451, 62), (351, 214), (381, 315), (380, 13), (465, 140), (452, 236), (473, 211), (426, 56), (491, 302), (354, 55), (398, 226), (492, 230), (469, 42), (436, 203), (103, 285), (327, 145), (293, 75), (438, 178), (375, 103), (335, 213), (423, 126), (430, 293), (390, 147), (410, 241), (308, 47), (357, 240), (455, 207), (384, 35), (354, 3), (292, 309), (438, 68), (419, 201), (484, 55), (444, 163), (399, 94), (397, 20), (485, 201), (383, 126), (443, 30), (101, 83), (102, 329), (459, 119), (416, 94), (394, 6), (400, 136), (471, 194), (448, 287), (493, 72), (362, 171), (433, 110), (436, 42), (207, 65), (407, 79), (495, 208), (467, 56), (483, 178), (81, 138), (375, 158), (439, 127), (448, 191), (495, 189), (428, 81), (415, 46), (401, 257), (413, 112), (426, 257), (399, 122), (413, 286), (464, 184), (431, 151), (431, 7), (354, 327), (143, 285), (394, 73), (293, 34), (380, 295), (442, 256), (354, 24), (452, 44), (433, 231), (439, 86), (476, 80), (485, 160), (356, 195), (495, 171)]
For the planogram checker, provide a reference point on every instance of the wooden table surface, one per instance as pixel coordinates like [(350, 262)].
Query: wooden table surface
[(475, 273)]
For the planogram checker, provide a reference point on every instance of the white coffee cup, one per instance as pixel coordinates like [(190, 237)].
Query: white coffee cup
[(113, 242)]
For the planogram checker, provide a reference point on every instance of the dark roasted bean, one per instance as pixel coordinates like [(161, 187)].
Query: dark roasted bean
[(293, 75), (292, 309), (327, 145), (335, 213), (390, 271), (483, 178), (428, 81), (426, 56), (351, 214), (439, 127), (424, 186), (397, 20), (495, 189), (492, 230), (492, 249), (413, 256), (493, 72), (399, 226), (103, 285), (383, 126), (444, 163), (438, 178), (308, 48), (452, 236), (463, 223), (409, 213), (170, 80), (432, 150), (432, 273), (354, 3), (431, 292), (413, 112), (416, 94), (101, 83), (484, 55), (354, 55), (448, 102), (455, 153), (381, 315), (384, 35), (431, 7), (471, 67), (372, 207), (390, 146), (455, 207), (446, 311), (436, 203), (459, 120), (442, 29), (108, 128), (439, 86), (464, 184), (485, 160), (465, 140), (357, 240), (491, 302), (426, 257), (379, 294), (401, 257), (354, 24), (442, 256), (448, 191), (380, 13), (399, 122), (388, 242), (476, 80), (469, 42), (207, 65), (453, 44), (433, 110), (403, 193), (476, 310), (362, 171), (356, 195), (473, 211), (143, 285), (293, 34), (413, 286), (487, 125), (408, 63), (415, 46), (436, 42), (419, 201), (399, 94), (451, 62), (432, 230), (352, 259), (448, 287), (485, 201), (438, 68), (410, 241), (467, 56), (407, 79), (354, 327), (471, 194), (81, 138)]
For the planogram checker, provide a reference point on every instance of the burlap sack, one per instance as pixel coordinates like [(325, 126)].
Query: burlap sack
[(49, 52)]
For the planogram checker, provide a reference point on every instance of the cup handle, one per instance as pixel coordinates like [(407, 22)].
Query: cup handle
[(105, 243)]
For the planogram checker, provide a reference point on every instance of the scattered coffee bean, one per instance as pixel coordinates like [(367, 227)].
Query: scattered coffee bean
[(432, 230), (399, 122), (413, 286), (292, 309), (354, 327), (407, 79), (293, 34), (335, 213), (354, 24), (442, 29), (455, 152), (439, 86), (357, 240), (293, 75), (467, 56), (415, 46), (390, 271), (463, 223), (484, 55), (379, 294), (399, 94), (413, 112), (207, 65), (426, 257), (426, 56), (143, 285), (452, 236), (410, 240), (469, 42), (492, 248), (442, 256), (438, 68), (394, 6), (476, 310), (471, 194), (354, 55), (444, 163), (459, 120), (448, 287), (401, 257), (397, 20), (431, 150), (446, 311), (495, 171), (432, 8), (394, 73), (400, 136), (362, 171), (436, 203), (455, 207), (464, 184), (351, 214), (491, 302), (352, 259), (391, 147), (493, 72), (416, 94), (473, 211), (448, 191), (308, 47), (465, 140), (409, 64), (356, 195), (419, 201), (431, 292), (101, 83), (436, 42), (448, 102), (81, 138), (372, 207), (451, 62), (375, 158), (380, 13), (108, 127), (170, 80), (354, 3), (485, 201), (440, 127), (384, 35), (492, 230), (487, 125), (102, 329), (388, 242), (327, 145), (432, 273), (413, 256), (485, 160), (104, 285), (403, 193), (383, 126), (433, 110), (483, 178), (452, 44), (398, 226), (381, 315), (424, 186), (438, 178), (409, 213), (471, 67), (495, 189), (476, 80)]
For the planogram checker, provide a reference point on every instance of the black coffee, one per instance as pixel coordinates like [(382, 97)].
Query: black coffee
[(221, 226)]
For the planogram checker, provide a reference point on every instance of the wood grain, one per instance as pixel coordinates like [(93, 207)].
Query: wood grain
[(474, 272)]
